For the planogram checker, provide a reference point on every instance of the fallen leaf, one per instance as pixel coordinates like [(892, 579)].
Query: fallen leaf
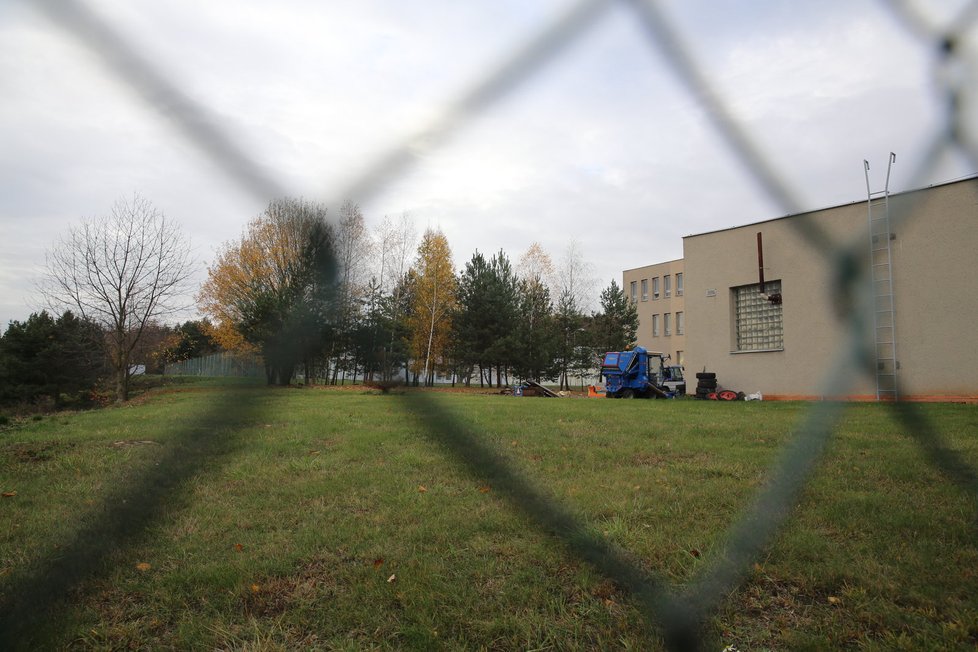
[(9, 494), (392, 579), (834, 600), (239, 547), (422, 488), (255, 588), (695, 553), (515, 443), (143, 566), (314, 452), (758, 568), (637, 487), (378, 562), (485, 489)]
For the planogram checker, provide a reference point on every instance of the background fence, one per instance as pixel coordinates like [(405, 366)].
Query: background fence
[(679, 614), (224, 364)]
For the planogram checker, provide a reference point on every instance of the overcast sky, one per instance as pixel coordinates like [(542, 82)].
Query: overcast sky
[(600, 144)]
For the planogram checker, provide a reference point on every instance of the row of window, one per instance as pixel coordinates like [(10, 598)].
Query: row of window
[(666, 287), (667, 323), (758, 321)]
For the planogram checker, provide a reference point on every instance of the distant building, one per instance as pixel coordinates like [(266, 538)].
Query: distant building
[(782, 340), (657, 292)]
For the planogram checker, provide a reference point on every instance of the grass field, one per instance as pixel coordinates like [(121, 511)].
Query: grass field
[(249, 518)]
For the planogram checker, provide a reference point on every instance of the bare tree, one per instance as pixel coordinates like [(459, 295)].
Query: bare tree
[(393, 243), (575, 277), (123, 271), (353, 249)]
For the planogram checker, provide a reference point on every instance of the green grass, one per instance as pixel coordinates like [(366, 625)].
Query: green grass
[(274, 518)]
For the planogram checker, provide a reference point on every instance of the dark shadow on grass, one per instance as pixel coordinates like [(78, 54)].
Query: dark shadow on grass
[(35, 602), (939, 453), (468, 446)]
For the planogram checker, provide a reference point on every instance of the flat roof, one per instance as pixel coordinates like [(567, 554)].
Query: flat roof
[(826, 208), (664, 262)]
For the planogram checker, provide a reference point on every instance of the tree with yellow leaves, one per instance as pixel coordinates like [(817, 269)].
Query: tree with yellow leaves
[(434, 301), (272, 289)]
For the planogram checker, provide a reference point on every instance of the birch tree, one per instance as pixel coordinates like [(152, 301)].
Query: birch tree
[(434, 301)]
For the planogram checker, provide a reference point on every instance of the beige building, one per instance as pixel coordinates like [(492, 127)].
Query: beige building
[(782, 341), (658, 293)]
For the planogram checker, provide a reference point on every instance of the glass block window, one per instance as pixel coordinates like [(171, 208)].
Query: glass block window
[(679, 284), (645, 289), (655, 287), (655, 325), (680, 321), (667, 285), (633, 288), (759, 323), (667, 323)]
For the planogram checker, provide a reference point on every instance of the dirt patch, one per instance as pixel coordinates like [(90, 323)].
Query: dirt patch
[(660, 459), (32, 453), (648, 459), (273, 596), (131, 443)]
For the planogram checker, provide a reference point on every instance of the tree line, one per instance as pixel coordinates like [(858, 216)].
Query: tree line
[(333, 301), (328, 299)]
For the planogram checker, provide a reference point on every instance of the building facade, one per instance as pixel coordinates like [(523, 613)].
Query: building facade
[(658, 293), (782, 338)]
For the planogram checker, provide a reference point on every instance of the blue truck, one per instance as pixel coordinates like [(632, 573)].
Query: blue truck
[(639, 373)]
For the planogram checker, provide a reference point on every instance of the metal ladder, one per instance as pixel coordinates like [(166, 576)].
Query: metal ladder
[(881, 275)]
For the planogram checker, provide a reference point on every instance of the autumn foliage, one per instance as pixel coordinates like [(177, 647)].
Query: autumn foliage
[(270, 291), (434, 297)]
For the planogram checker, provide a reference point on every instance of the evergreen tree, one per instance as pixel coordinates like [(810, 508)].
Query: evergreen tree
[(536, 335), (615, 326), (50, 357), (486, 315)]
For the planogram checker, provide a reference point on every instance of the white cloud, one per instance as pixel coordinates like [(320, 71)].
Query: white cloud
[(603, 144)]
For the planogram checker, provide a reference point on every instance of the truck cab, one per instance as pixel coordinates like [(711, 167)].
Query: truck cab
[(640, 373)]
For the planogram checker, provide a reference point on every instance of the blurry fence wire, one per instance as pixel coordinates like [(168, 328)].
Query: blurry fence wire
[(680, 616)]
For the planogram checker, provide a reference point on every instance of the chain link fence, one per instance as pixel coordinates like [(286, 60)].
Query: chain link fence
[(680, 616)]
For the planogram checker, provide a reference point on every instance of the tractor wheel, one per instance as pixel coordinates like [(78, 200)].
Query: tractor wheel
[(727, 395), (628, 393)]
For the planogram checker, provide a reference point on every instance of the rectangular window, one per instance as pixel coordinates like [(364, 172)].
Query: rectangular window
[(655, 325), (667, 285), (645, 289), (679, 358), (759, 323), (655, 287), (680, 321), (633, 288), (679, 284), (667, 323)]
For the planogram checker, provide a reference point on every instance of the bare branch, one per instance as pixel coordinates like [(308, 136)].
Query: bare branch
[(123, 271)]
